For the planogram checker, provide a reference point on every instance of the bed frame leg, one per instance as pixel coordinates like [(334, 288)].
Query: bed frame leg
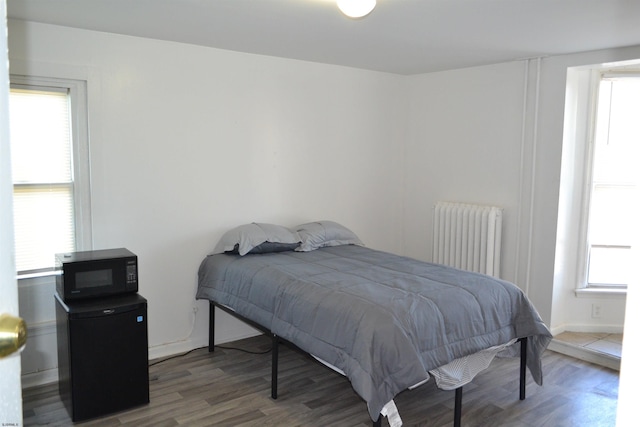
[(378, 422), (274, 366), (212, 324), (523, 367), (457, 410)]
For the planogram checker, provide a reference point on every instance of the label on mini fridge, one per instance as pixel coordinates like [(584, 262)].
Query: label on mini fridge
[(139, 319)]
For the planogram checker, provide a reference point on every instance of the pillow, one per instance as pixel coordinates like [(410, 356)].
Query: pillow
[(259, 237), (266, 247), (319, 234)]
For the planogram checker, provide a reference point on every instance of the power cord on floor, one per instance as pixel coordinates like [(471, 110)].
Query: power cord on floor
[(200, 348), (243, 350), (175, 356)]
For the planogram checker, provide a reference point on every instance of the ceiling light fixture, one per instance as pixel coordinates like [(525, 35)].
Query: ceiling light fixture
[(356, 8)]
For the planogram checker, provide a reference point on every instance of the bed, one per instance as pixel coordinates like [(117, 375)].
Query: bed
[(386, 322)]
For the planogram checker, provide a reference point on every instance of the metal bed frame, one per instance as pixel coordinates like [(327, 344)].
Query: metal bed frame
[(276, 340)]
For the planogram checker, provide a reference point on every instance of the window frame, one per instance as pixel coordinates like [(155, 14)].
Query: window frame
[(81, 171), (595, 79)]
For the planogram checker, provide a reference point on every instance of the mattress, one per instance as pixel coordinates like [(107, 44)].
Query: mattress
[(382, 319)]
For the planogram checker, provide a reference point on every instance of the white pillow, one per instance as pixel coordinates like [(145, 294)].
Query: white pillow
[(320, 234), (250, 237)]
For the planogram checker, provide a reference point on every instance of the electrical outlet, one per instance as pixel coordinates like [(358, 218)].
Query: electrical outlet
[(596, 311)]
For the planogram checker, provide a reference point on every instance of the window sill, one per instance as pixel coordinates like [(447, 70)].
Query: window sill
[(48, 273), (36, 280), (601, 292)]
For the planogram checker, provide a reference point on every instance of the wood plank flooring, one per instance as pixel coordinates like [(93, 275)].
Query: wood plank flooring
[(232, 388)]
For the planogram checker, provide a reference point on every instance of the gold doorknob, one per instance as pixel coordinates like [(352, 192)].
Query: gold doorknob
[(13, 334)]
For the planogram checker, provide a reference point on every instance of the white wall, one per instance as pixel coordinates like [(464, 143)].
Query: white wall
[(187, 142), (494, 135), (10, 379), (464, 145)]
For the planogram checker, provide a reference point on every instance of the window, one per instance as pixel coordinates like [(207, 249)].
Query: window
[(614, 199), (49, 163)]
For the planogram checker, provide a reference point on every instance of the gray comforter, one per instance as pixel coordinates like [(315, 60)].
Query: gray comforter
[(383, 319)]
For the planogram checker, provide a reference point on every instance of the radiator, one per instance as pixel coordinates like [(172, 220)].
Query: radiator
[(468, 237)]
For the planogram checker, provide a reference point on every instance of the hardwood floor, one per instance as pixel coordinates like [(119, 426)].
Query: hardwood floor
[(232, 388)]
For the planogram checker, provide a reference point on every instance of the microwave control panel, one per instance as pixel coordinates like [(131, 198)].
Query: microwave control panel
[(132, 273)]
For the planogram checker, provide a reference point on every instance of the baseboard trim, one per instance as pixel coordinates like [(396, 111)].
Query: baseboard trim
[(587, 355), (602, 329), (35, 379), (47, 376)]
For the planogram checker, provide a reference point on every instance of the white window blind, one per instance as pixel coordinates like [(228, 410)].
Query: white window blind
[(42, 168)]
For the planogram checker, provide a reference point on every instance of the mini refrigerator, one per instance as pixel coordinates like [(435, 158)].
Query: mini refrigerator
[(103, 357)]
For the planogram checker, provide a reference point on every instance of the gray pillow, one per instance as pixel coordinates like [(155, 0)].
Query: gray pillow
[(319, 234), (266, 247), (251, 237)]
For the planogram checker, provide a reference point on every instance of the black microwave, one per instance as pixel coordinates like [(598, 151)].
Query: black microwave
[(95, 274)]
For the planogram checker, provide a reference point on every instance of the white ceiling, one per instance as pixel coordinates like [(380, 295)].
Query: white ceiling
[(399, 36)]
